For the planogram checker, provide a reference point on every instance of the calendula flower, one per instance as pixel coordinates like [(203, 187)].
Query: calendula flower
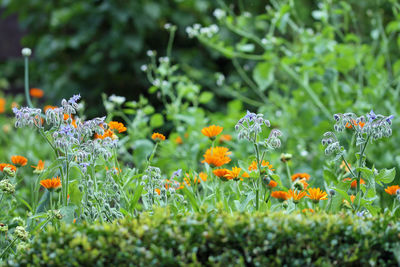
[(202, 177), (36, 92), (352, 197), (316, 194), (114, 125), (2, 105), (235, 174), (280, 195), (307, 210), (392, 190), (158, 191), (296, 196), (47, 107), (19, 160), (51, 184), (178, 140), (212, 131), (253, 165), (217, 156), (5, 165), (39, 168), (272, 184), (158, 137), (354, 183), (225, 138), (108, 133), (350, 125), (344, 166), (300, 176), (220, 172)]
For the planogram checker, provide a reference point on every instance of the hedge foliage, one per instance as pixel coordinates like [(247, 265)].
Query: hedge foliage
[(274, 239)]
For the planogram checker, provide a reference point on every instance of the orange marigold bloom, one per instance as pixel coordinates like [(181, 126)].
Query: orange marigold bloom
[(4, 165), (212, 131), (253, 165), (36, 93), (51, 184), (202, 177), (178, 140), (350, 125), (392, 190), (234, 174), (19, 160), (114, 125), (352, 197), (272, 184), (280, 195), (217, 156), (2, 105), (225, 138), (300, 176), (316, 194), (344, 166), (39, 168), (220, 172), (307, 210), (107, 133), (354, 183), (158, 191), (296, 195), (47, 107), (158, 137)]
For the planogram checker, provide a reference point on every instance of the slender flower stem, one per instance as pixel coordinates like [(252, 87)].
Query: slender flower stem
[(288, 173), (27, 95), (5, 250), (348, 167), (360, 163)]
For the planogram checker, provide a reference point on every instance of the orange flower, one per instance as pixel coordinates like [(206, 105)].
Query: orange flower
[(158, 137), (344, 166), (14, 105), (392, 190), (212, 131), (39, 168), (2, 105), (352, 197), (350, 125), (234, 174), (47, 107), (114, 125), (217, 156), (316, 194), (354, 183), (280, 195), (107, 133), (300, 176), (51, 184), (220, 172), (307, 210), (158, 191), (19, 160), (272, 184), (253, 165), (4, 165), (225, 138), (203, 177), (178, 140), (296, 195), (36, 93)]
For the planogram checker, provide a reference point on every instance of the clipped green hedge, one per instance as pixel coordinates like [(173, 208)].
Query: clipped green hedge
[(274, 239)]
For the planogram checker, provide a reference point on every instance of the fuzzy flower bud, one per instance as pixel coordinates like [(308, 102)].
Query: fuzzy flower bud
[(26, 52)]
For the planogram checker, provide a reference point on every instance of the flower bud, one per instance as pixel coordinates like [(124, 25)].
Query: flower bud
[(26, 52)]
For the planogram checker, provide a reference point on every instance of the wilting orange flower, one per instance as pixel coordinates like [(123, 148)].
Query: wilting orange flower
[(2, 105), (158, 137), (47, 107), (19, 160), (158, 191), (114, 125), (4, 165), (36, 93), (253, 165), (51, 184), (354, 183), (316, 194), (307, 210), (220, 172), (178, 140), (350, 125), (217, 156), (212, 131), (280, 195), (300, 176), (107, 133), (272, 184), (225, 138), (39, 168), (392, 190), (296, 195), (234, 174)]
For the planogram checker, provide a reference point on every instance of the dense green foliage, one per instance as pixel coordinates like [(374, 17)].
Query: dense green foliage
[(220, 239)]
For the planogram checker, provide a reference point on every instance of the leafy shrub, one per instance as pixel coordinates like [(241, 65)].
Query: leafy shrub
[(238, 239)]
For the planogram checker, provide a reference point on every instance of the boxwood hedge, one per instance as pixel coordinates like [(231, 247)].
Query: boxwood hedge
[(222, 239)]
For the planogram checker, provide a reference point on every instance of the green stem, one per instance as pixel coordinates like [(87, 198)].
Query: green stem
[(5, 250), (348, 167), (360, 163), (288, 173), (27, 95)]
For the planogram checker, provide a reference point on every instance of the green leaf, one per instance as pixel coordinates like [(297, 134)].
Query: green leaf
[(68, 213), (263, 74), (191, 199), (385, 176), (136, 197), (343, 194), (157, 120), (44, 201), (75, 196), (367, 174), (205, 97)]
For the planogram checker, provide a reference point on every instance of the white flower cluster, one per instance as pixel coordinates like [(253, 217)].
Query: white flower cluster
[(198, 30)]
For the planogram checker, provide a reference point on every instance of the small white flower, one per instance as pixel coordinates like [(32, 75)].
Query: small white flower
[(117, 99), (26, 52)]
